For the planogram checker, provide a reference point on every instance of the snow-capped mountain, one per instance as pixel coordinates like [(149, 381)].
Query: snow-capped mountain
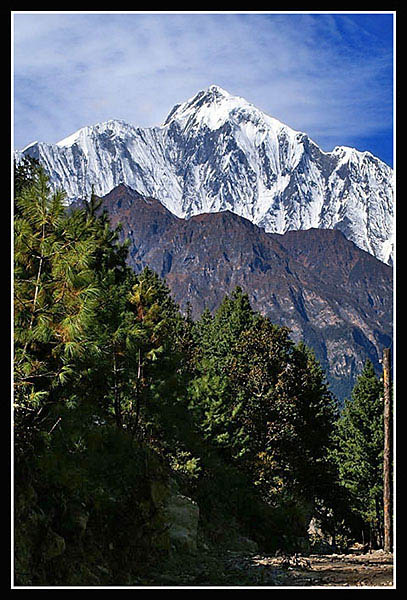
[(218, 152)]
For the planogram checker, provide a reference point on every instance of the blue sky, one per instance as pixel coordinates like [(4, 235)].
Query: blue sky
[(329, 75)]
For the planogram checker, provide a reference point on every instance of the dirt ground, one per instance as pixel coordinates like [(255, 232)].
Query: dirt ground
[(369, 569), (234, 569)]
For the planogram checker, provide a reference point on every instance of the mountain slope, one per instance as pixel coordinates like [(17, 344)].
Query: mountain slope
[(218, 152), (331, 294)]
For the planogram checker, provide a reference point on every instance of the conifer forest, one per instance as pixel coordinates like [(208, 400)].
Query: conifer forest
[(155, 448)]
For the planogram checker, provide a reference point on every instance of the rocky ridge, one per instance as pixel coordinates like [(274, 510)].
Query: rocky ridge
[(218, 152), (329, 292)]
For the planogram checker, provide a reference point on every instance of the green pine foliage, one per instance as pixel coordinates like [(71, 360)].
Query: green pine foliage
[(25, 173), (262, 400), (55, 298), (115, 387), (359, 452)]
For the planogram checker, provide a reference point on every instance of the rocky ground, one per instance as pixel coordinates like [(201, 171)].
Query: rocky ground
[(231, 569)]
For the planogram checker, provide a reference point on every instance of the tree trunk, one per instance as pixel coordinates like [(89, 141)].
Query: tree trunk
[(387, 453), (137, 390), (117, 407)]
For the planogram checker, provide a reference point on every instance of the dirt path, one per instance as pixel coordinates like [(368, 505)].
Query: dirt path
[(234, 569), (372, 569)]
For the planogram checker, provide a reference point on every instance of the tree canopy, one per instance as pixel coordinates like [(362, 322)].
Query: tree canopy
[(359, 450), (108, 370)]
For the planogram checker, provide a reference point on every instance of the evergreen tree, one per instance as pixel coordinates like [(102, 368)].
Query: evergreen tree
[(263, 400), (68, 268), (54, 292), (359, 451), (155, 317), (213, 400), (25, 173)]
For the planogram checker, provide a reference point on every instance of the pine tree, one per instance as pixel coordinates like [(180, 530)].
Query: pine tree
[(262, 400), (288, 411), (25, 174), (63, 261), (134, 341), (359, 452), (213, 401)]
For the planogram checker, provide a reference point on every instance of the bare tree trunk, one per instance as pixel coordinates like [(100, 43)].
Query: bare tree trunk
[(37, 287), (138, 393), (387, 453), (117, 407)]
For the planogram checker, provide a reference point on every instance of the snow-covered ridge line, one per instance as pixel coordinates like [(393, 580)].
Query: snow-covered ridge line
[(219, 152)]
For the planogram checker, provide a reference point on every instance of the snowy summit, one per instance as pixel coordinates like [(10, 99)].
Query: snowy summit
[(218, 152)]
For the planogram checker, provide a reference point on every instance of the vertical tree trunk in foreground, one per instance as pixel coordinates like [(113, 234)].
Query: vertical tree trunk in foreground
[(387, 454)]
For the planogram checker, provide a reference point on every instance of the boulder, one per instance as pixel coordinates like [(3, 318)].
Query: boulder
[(245, 544), (182, 515)]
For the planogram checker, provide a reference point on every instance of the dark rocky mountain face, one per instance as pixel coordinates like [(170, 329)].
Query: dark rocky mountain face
[(331, 294)]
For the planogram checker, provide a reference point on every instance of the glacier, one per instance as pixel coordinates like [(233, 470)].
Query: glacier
[(219, 152)]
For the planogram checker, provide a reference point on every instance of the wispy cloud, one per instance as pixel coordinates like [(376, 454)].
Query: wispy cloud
[(329, 75)]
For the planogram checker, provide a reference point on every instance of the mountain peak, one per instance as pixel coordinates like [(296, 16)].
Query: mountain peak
[(217, 90), (213, 106), (212, 93), (110, 127), (216, 152), (210, 106)]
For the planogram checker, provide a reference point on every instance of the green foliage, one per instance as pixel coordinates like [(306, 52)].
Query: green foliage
[(25, 174), (55, 297), (109, 373), (262, 400), (359, 450), (97, 360), (84, 514)]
